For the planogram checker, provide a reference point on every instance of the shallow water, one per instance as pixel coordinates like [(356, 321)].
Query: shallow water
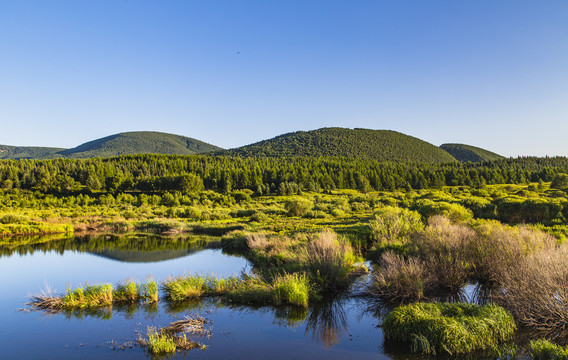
[(336, 329)]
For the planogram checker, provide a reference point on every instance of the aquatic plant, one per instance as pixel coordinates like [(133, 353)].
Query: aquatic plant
[(127, 292), (89, 296), (455, 328), (185, 287), (166, 340)]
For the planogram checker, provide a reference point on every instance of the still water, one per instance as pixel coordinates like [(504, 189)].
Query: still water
[(334, 329)]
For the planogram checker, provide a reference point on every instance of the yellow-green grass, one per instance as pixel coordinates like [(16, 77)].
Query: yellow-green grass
[(456, 328), (89, 296), (543, 349)]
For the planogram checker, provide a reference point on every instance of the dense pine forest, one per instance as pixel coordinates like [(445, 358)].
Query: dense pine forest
[(159, 173)]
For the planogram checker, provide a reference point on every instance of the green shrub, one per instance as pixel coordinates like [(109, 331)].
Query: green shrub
[(298, 206), (451, 328), (393, 224)]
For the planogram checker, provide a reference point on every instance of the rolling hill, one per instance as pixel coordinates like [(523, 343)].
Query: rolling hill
[(382, 145), (28, 152), (139, 142), (465, 153)]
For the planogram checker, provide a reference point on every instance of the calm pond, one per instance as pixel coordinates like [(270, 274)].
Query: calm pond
[(335, 329)]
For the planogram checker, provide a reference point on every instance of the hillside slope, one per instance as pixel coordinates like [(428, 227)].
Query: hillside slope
[(139, 142), (465, 153), (28, 152), (382, 145)]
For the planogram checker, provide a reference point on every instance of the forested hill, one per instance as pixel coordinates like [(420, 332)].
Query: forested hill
[(139, 142), (28, 152), (465, 153), (381, 145)]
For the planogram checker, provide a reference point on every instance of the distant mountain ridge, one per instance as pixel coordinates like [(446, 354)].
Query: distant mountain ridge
[(28, 152), (468, 153), (139, 142), (381, 145)]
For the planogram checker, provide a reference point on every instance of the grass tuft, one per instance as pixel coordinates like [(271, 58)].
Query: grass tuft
[(543, 349), (456, 328)]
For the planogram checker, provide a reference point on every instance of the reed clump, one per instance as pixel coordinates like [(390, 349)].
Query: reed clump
[(329, 260), (196, 286), (400, 278), (535, 290), (454, 328), (89, 296)]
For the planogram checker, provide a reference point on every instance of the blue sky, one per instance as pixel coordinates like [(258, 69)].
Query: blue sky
[(489, 73)]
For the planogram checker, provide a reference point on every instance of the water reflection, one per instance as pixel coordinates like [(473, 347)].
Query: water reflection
[(121, 247), (327, 322)]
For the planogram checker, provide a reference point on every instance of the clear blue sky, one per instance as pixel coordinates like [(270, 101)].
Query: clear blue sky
[(490, 73)]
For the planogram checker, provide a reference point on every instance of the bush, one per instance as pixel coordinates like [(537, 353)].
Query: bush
[(451, 328), (399, 278), (298, 206), (394, 224), (454, 212), (559, 181)]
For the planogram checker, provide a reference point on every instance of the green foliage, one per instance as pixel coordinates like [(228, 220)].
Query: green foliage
[(449, 328), (382, 145), (560, 181), (127, 292), (298, 206), (466, 153), (395, 225), (454, 212), (543, 349), (28, 152)]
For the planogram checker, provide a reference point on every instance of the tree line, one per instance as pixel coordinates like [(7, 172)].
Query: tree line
[(283, 175)]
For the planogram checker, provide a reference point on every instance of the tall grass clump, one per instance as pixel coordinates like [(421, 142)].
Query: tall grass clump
[(329, 260), (444, 249), (185, 287), (543, 349), (89, 296), (400, 278), (293, 289), (535, 290), (127, 292), (455, 328), (251, 290), (149, 291)]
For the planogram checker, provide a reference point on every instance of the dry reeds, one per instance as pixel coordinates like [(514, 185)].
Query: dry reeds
[(329, 259), (400, 278), (535, 290), (444, 248), (175, 336)]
